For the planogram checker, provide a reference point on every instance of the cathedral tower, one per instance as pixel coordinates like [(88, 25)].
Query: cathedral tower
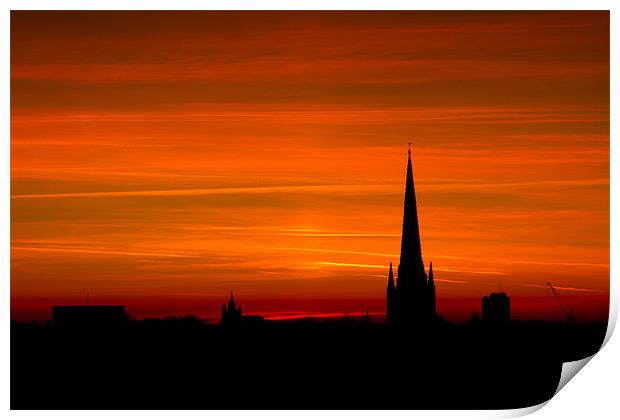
[(412, 300)]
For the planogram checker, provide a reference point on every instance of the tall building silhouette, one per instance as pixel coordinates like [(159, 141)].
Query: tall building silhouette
[(232, 313), (496, 307), (412, 298)]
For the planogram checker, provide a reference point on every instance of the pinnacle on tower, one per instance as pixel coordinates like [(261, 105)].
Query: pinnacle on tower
[(432, 298), (431, 279), (391, 277)]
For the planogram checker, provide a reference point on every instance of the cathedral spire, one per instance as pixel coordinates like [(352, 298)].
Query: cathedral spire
[(391, 277), (410, 249)]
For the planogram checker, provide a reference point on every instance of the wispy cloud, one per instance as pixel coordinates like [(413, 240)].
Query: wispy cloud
[(215, 191), (470, 271), (443, 280), (333, 251), (311, 114), (566, 288), (98, 251), (340, 264), (347, 234), (531, 184), (527, 262)]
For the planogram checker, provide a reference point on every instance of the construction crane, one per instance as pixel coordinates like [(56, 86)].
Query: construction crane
[(570, 317)]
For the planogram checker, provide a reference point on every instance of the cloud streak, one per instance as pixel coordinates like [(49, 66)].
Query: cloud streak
[(96, 251), (568, 289), (355, 265), (327, 188)]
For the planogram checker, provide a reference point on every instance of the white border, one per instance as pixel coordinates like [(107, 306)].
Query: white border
[(593, 394)]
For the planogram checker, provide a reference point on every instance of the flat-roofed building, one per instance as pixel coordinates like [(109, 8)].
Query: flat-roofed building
[(496, 307)]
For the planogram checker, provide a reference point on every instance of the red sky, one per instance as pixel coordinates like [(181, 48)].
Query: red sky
[(161, 160)]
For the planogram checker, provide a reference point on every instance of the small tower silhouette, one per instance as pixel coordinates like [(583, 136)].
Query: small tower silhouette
[(431, 291), (391, 297), (496, 308), (231, 314)]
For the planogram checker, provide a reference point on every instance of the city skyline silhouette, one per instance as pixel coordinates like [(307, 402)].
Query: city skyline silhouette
[(410, 296), (413, 297)]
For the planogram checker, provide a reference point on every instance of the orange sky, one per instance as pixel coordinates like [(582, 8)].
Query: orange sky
[(160, 160)]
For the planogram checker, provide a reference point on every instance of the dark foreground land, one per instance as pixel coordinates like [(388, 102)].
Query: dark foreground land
[(345, 364)]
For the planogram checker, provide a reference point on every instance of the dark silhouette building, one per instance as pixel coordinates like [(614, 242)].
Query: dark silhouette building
[(496, 307), (87, 316), (231, 314), (412, 298)]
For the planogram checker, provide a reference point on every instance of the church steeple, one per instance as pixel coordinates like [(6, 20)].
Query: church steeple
[(410, 250), (412, 300)]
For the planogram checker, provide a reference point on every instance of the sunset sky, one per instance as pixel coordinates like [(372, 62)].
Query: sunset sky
[(160, 160)]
